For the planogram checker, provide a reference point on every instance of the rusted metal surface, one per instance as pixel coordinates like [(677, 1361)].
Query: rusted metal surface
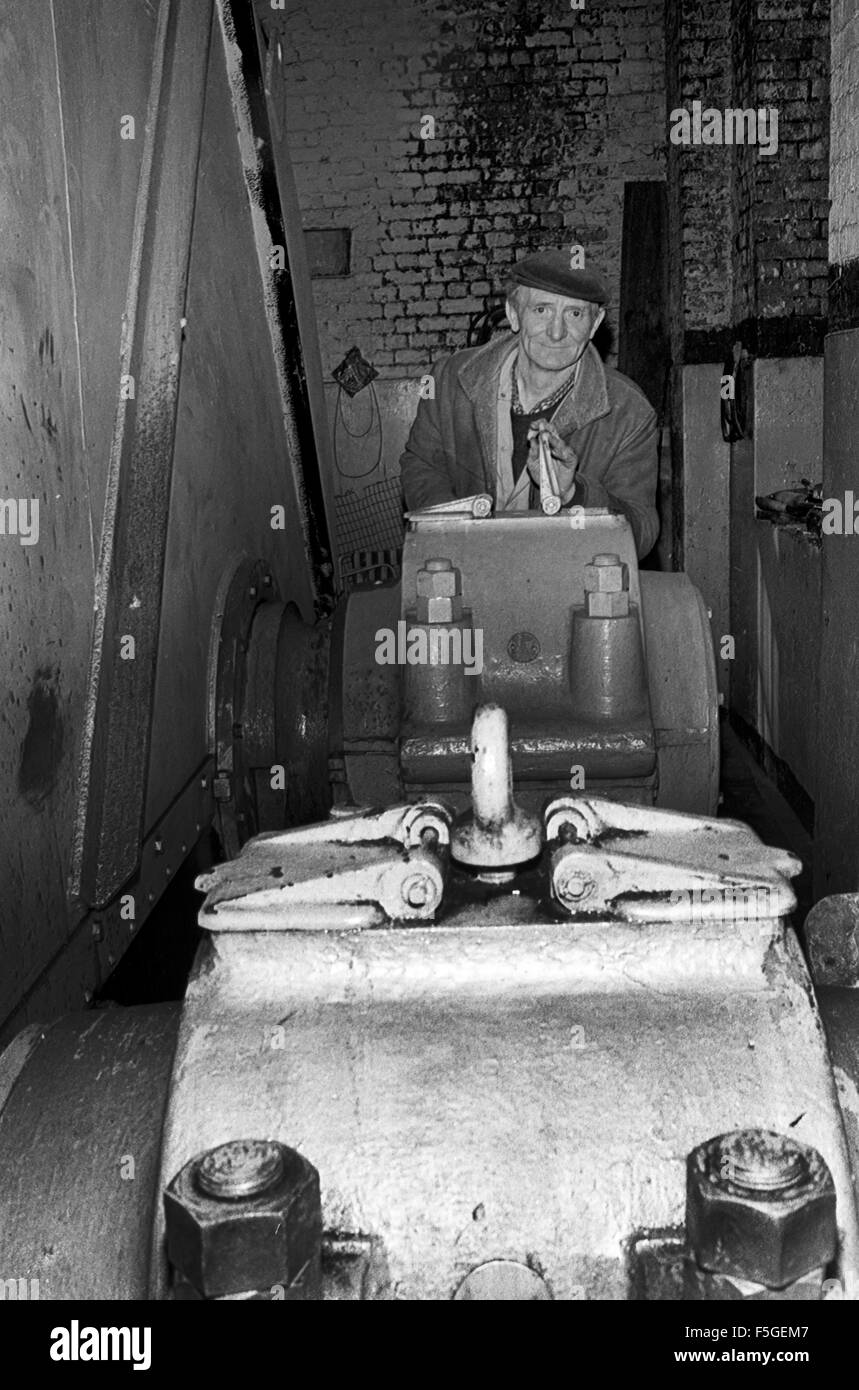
[(67, 188), (86, 1110), (518, 1020), (760, 1208), (98, 293), (514, 1017), (514, 1023), (244, 1217), (831, 932)]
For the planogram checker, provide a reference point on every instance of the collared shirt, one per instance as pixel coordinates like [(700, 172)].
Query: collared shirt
[(521, 419), (517, 493)]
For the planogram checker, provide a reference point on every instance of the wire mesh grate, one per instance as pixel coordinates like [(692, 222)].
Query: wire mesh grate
[(372, 519)]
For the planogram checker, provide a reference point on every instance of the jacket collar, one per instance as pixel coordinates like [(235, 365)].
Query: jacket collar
[(479, 377)]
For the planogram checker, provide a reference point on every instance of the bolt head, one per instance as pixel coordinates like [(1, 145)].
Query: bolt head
[(438, 583), (608, 577), (575, 888), (243, 1216), (759, 1206)]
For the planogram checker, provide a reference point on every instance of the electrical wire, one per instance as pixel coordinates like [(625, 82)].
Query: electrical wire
[(375, 415)]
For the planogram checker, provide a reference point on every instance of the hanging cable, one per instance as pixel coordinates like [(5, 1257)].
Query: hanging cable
[(339, 417)]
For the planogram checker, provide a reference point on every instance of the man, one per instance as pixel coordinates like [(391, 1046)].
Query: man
[(478, 433)]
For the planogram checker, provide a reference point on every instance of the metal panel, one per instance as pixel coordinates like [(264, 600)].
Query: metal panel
[(706, 491), (86, 1110), (130, 574), (233, 459), (63, 168), (836, 859), (333, 1041), (98, 240)]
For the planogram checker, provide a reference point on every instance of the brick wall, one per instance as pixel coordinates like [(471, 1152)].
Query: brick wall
[(698, 57), (541, 113), (844, 216), (781, 61), (748, 230)]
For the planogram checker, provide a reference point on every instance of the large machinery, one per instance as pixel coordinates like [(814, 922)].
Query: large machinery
[(441, 1039), (429, 1053), (606, 673)]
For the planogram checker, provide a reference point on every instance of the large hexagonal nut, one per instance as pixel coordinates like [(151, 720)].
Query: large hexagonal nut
[(439, 593), (599, 604), (606, 575), (443, 610), (760, 1206), (703, 1286), (244, 1216), (438, 579)]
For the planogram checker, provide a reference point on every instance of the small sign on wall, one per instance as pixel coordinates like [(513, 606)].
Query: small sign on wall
[(329, 251)]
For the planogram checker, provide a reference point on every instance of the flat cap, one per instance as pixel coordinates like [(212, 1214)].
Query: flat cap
[(551, 270)]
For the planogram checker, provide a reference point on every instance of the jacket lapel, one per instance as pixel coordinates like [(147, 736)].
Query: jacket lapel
[(479, 378), (588, 399)]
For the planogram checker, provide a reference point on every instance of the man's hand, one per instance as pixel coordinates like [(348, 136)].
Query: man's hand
[(563, 461)]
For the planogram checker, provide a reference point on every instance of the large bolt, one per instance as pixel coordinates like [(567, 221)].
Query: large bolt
[(240, 1169), (246, 1216), (760, 1207), (439, 592), (606, 587), (498, 835)]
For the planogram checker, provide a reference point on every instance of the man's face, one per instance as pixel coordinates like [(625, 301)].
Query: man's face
[(553, 330)]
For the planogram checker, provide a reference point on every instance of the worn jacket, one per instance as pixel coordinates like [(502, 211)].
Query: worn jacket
[(461, 441)]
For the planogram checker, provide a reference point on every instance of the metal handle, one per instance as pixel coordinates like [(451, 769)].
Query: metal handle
[(549, 500)]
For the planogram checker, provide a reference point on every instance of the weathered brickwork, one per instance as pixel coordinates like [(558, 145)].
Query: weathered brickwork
[(781, 61), (698, 57), (541, 113), (844, 215), (748, 229)]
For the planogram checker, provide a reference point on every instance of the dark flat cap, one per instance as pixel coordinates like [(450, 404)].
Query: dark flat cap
[(550, 270)]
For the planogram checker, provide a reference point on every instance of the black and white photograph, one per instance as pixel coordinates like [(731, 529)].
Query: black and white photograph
[(429, 599)]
